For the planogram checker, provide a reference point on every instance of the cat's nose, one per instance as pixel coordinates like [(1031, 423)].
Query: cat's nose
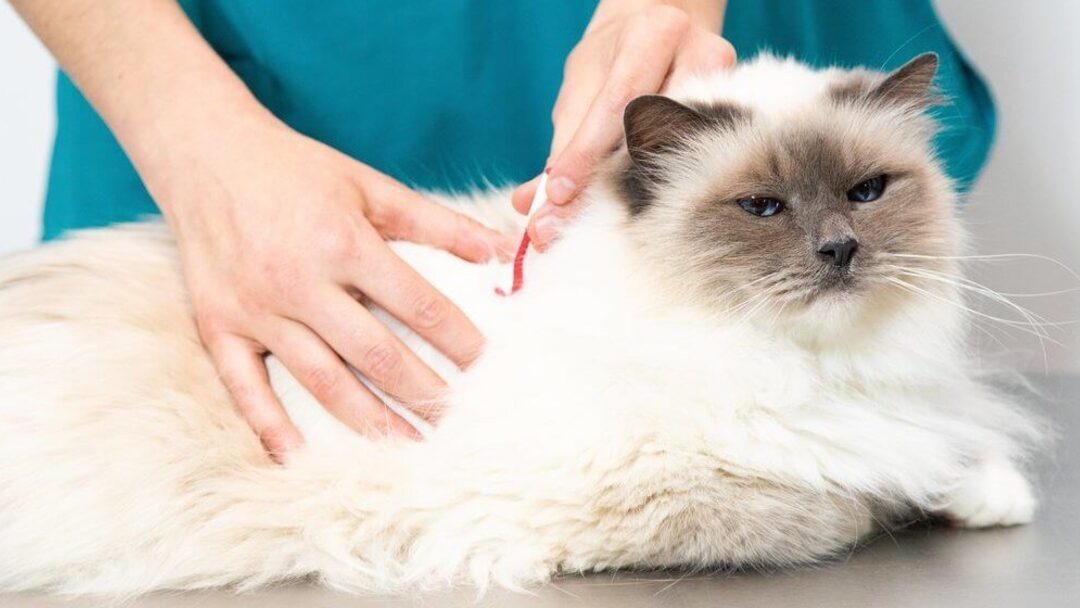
[(839, 252)]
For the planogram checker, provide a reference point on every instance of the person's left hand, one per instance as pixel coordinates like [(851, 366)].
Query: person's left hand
[(620, 57)]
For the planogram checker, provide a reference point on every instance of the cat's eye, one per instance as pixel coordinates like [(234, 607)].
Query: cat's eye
[(868, 191), (762, 206)]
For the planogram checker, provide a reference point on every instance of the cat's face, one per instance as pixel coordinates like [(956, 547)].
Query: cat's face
[(757, 204)]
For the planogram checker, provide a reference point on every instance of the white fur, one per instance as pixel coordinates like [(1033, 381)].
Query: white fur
[(993, 494), (605, 426)]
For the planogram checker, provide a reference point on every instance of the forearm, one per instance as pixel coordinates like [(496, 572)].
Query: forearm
[(145, 69), (708, 14)]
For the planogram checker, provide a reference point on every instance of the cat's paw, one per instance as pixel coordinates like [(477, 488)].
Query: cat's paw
[(995, 494)]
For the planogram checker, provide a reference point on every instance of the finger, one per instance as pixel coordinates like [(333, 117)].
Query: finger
[(327, 378), (640, 68), (577, 92), (400, 290), (522, 197), (370, 347), (422, 221), (403, 214), (243, 371), (548, 224), (703, 53)]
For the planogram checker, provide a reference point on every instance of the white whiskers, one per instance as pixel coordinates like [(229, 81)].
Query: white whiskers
[(1025, 321)]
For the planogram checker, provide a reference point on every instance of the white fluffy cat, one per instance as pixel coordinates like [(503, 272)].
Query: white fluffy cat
[(738, 355)]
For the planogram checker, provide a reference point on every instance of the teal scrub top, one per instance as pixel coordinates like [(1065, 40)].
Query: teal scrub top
[(452, 94)]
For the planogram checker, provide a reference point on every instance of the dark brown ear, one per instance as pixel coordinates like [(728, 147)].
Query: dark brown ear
[(655, 123), (910, 84)]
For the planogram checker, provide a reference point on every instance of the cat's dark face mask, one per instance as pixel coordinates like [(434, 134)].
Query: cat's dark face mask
[(829, 205)]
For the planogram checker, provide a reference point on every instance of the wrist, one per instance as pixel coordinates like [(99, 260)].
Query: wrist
[(166, 95), (185, 157), (192, 117)]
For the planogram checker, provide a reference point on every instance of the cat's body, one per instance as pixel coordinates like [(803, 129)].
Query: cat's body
[(619, 416)]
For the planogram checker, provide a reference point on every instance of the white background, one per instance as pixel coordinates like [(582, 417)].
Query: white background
[(1027, 201)]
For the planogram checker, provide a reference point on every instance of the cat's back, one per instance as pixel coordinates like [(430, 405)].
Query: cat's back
[(89, 275), (90, 312), (101, 323), (97, 339), (112, 413)]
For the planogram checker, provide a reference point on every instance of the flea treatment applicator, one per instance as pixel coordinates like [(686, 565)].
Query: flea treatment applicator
[(518, 277)]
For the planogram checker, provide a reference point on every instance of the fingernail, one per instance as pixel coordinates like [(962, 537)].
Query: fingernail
[(507, 248), (283, 447), (560, 190), (547, 229), (484, 248), (504, 248)]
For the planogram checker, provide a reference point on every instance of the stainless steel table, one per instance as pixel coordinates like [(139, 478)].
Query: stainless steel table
[(1036, 565)]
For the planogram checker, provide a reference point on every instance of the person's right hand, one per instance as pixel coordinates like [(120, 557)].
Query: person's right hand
[(281, 238), (630, 49)]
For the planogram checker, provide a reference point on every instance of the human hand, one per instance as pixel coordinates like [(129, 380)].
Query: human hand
[(279, 235), (281, 238), (636, 51)]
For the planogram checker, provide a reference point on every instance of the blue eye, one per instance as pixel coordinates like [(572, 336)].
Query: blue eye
[(868, 191), (763, 207)]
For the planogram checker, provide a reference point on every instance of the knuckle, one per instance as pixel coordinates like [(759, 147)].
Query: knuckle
[(428, 311), (391, 219), (215, 330), (557, 110), (402, 225), (725, 54), (665, 19), (618, 95), (572, 59), (241, 393), (250, 308), (338, 243), (382, 362), (321, 381), (579, 159), (284, 278), (210, 328), (209, 306)]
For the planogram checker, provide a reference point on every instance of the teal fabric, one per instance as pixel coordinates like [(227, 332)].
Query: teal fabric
[(450, 94)]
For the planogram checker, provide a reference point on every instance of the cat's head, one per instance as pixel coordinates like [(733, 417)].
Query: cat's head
[(788, 189)]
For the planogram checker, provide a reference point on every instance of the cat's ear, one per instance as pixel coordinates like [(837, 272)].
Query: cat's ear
[(655, 123), (911, 84)]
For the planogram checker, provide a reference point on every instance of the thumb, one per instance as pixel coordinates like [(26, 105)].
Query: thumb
[(523, 195), (547, 225)]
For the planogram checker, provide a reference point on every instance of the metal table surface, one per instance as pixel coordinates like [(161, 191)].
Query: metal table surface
[(1036, 565)]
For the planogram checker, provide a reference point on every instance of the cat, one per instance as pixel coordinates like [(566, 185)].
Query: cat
[(737, 355)]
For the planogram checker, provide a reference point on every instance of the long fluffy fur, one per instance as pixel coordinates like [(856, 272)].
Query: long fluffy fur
[(609, 424)]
